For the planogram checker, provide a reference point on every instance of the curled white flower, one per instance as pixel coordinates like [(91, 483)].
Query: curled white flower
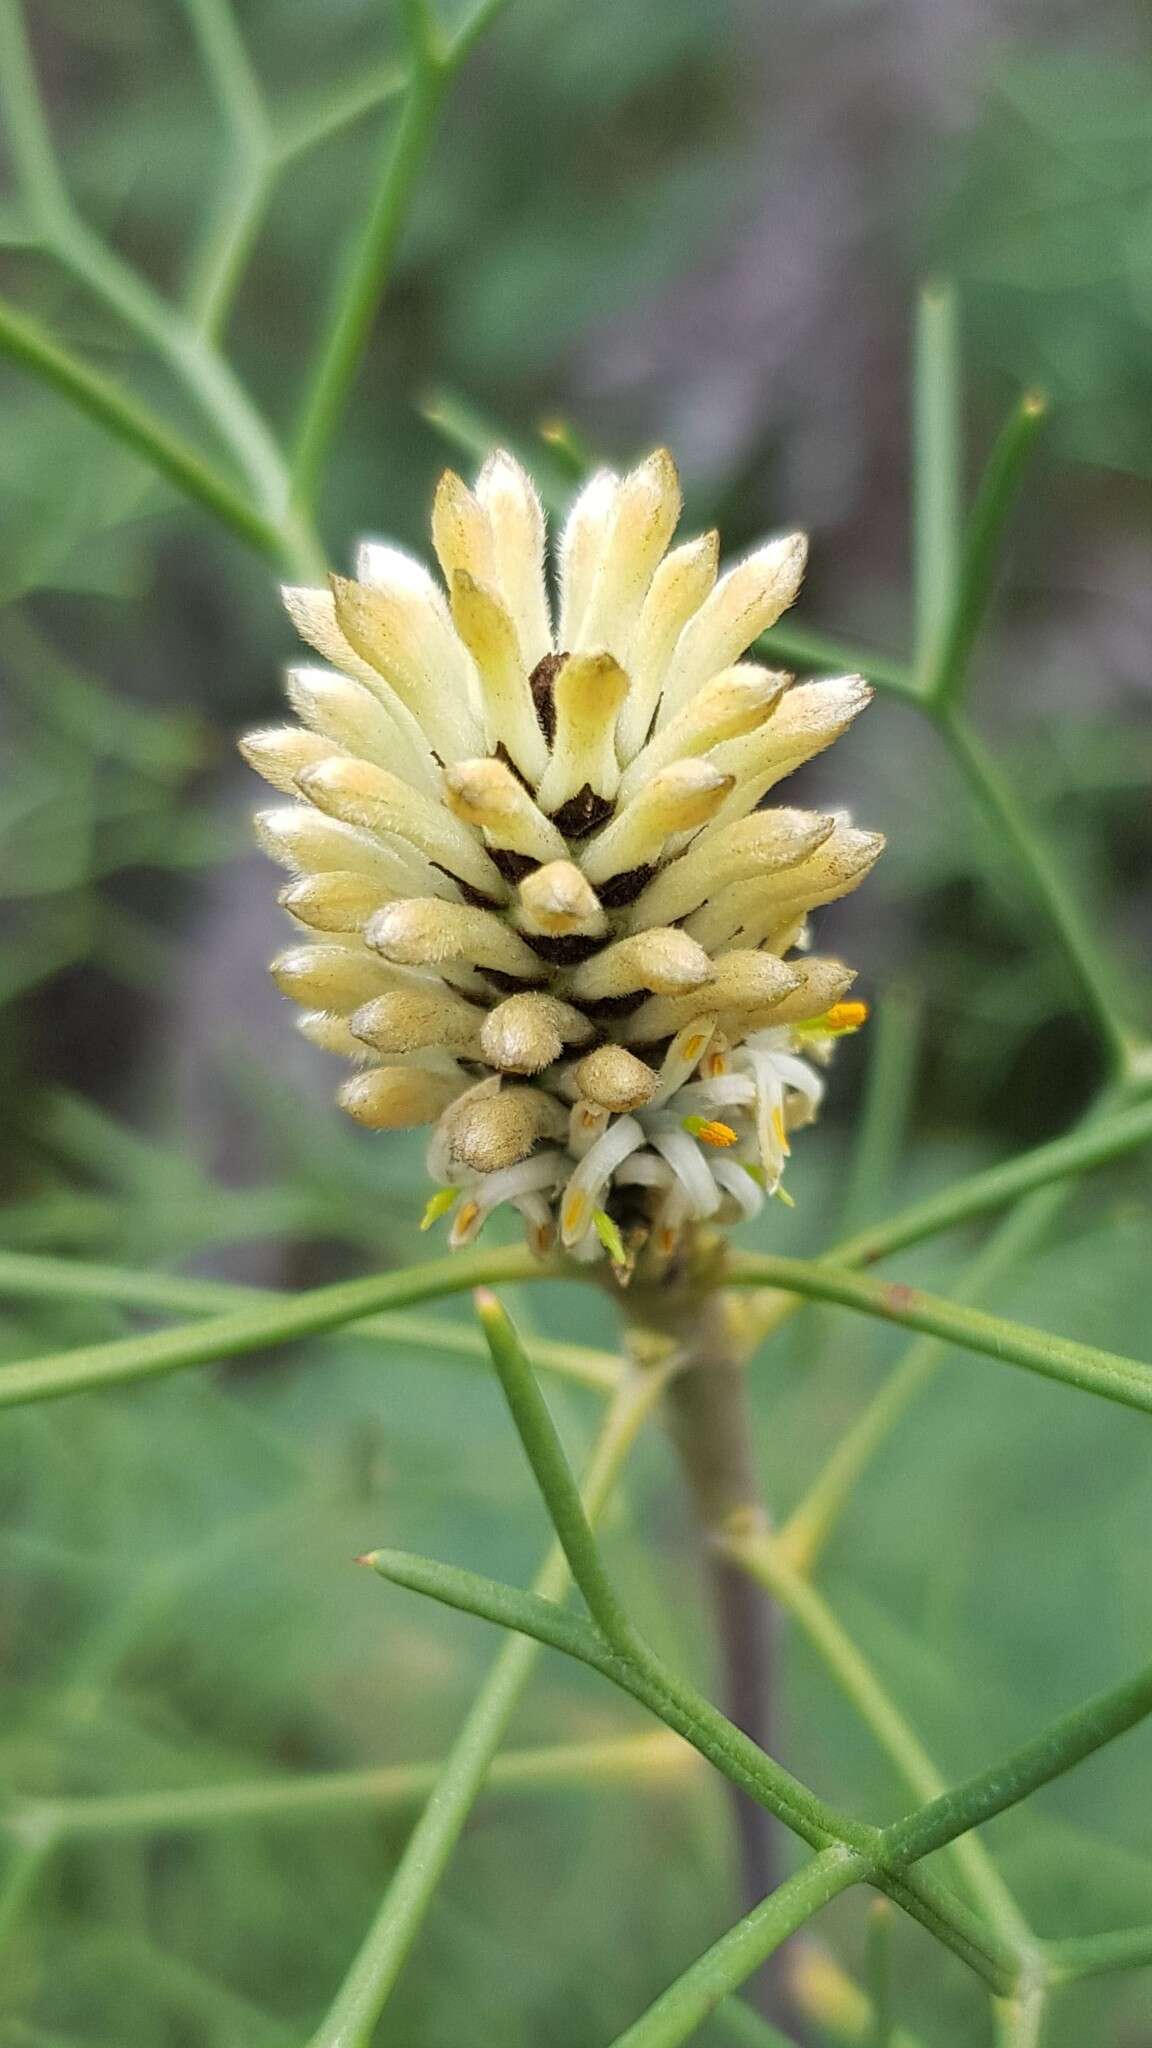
[(542, 906)]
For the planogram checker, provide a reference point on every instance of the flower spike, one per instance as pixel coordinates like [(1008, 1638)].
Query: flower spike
[(539, 903)]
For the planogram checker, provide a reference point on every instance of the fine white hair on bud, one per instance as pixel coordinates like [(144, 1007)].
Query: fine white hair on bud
[(543, 909)]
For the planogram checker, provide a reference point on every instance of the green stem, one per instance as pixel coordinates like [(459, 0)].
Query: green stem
[(1097, 1140), (366, 273), (30, 1273), (811, 650), (809, 1527), (937, 471), (256, 1329), (730, 1961), (27, 344), (1092, 1955), (1056, 1749), (321, 1794), (1093, 1371), (767, 1561), (351, 2019), (545, 1454), (1105, 999), (943, 677)]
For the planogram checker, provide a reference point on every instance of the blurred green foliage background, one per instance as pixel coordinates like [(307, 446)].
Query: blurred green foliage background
[(655, 220)]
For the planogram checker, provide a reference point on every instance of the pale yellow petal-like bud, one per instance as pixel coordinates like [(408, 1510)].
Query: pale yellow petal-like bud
[(769, 903), (664, 961), (615, 1079), (736, 701), (486, 793), (362, 721), (403, 629), (333, 902), (819, 984), (313, 613), (425, 932), (647, 507), (359, 793), (329, 977), (332, 1034), (490, 634), (303, 839), (676, 800), (396, 1098), (529, 1032), (678, 589), (583, 769), (741, 981), (489, 1132), (751, 847), (282, 752), (809, 717), (556, 900), (415, 1020), (581, 550), (746, 601), (509, 497), (461, 531)]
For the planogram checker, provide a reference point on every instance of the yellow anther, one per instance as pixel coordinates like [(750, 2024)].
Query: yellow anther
[(438, 1205), (710, 1131), (842, 1018), (780, 1133)]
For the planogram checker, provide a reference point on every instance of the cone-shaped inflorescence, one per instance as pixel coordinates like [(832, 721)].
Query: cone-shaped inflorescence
[(544, 908)]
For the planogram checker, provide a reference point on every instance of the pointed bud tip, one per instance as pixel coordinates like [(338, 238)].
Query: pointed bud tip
[(367, 1557)]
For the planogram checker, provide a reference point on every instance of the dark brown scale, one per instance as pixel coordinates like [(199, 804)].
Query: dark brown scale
[(476, 897), (513, 866), (541, 682), (621, 890), (607, 1007), (509, 984), (583, 813), (564, 949), (503, 755)]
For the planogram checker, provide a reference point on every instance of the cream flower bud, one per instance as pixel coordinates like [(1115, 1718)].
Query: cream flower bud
[(645, 510), (359, 722), (550, 917), (581, 551), (497, 1131), (427, 933), (509, 498), (486, 793), (735, 702), (283, 752), (359, 793), (615, 1079), (462, 531), (677, 591), (530, 1031), (329, 977), (668, 962), (751, 847), (741, 981), (489, 633), (557, 900), (583, 771), (746, 601), (396, 1098), (332, 902), (414, 1020), (677, 800)]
